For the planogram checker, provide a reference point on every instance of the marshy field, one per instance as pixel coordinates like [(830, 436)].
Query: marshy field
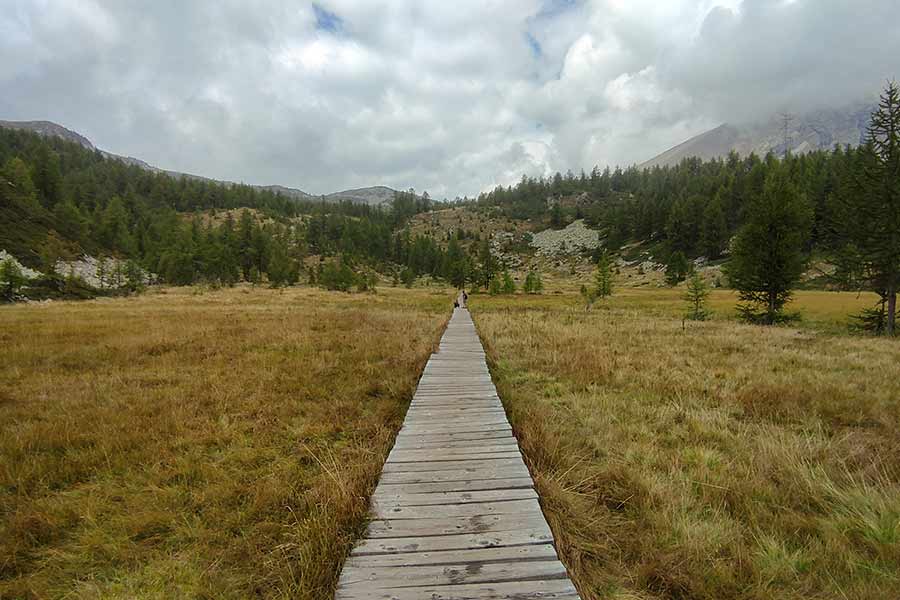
[(224, 443), (705, 459), (187, 445)]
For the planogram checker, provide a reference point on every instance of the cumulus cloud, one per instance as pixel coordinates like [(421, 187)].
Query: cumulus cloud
[(449, 97)]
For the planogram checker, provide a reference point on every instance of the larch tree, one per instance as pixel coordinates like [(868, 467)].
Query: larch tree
[(867, 221), (696, 295), (604, 278), (767, 255)]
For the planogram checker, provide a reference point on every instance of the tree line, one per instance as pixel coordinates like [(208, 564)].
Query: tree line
[(59, 200), (768, 215)]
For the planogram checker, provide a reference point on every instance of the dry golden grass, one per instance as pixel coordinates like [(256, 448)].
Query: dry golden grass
[(720, 461), (184, 445), (817, 309)]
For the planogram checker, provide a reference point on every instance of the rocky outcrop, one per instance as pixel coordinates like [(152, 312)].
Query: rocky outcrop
[(26, 272), (574, 239), (103, 273)]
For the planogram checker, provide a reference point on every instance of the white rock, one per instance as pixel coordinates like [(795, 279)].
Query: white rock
[(26, 272), (575, 238)]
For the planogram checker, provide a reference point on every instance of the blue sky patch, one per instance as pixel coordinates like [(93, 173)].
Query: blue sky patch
[(533, 44), (552, 8), (327, 20)]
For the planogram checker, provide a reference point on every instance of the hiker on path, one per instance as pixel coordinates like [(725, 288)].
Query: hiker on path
[(461, 300)]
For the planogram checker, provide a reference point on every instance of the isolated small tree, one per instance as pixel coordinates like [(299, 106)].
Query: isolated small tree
[(696, 295), (509, 286), (366, 281), (678, 268), (495, 287), (337, 276), (408, 277), (11, 279), (533, 283), (767, 255), (589, 295), (604, 278)]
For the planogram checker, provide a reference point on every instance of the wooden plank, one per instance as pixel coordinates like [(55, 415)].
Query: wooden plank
[(417, 513), (553, 589), (373, 578), (541, 551), (475, 422), (413, 443), (500, 483), (455, 475), (471, 466), (401, 497), (481, 539), (452, 525), (436, 428), (417, 442), (445, 454)]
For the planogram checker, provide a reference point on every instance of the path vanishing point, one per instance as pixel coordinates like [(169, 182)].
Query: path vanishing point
[(455, 515)]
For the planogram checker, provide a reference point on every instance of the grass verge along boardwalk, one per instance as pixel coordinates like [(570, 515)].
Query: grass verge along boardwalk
[(455, 514)]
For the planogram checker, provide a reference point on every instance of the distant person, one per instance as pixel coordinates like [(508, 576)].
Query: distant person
[(461, 299)]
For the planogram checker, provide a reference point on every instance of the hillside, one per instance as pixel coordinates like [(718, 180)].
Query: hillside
[(818, 130), (372, 196)]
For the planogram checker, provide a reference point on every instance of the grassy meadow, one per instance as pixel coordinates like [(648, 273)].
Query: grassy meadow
[(182, 444), (715, 460)]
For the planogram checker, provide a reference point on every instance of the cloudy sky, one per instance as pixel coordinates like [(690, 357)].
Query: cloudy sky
[(452, 97)]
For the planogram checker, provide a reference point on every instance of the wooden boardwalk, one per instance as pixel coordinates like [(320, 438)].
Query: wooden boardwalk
[(455, 515)]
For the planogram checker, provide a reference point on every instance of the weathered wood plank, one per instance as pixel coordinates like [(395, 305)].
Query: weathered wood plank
[(455, 475), (474, 485), (401, 497), (453, 525), (470, 465), (443, 511), (552, 589), (370, 577), (481, 539), (413, 442), (445, 454), (543, 551)]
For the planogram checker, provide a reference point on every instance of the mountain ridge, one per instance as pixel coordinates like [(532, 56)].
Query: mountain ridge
[(816, 130), (373, 195)]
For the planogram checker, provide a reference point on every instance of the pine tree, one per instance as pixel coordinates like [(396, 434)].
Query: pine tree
[(556, 217), (509, 286), (678, 268), (868, 219), (768, 251), (604, 278), (457, 265), (495, 287), (487, 263), (696, 295), (714, 231)]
